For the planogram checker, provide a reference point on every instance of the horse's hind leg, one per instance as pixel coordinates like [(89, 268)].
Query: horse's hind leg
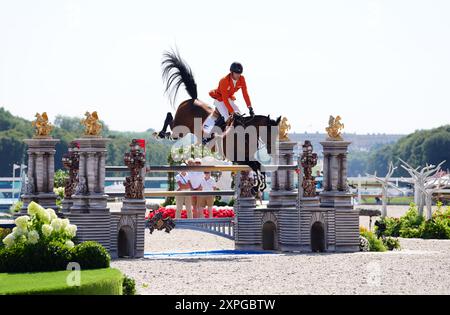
[(255, 188), (263, 185), (163, 134), (256, 167)]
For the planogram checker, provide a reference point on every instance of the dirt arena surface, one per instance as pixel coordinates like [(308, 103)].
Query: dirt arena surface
[(420, 267)]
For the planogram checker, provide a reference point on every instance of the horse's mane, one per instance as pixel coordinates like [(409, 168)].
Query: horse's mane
[(176, 72)]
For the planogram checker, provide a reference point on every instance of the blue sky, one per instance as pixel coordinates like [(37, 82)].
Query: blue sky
[(384, 66)]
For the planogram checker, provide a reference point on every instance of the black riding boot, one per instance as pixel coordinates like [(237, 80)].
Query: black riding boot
[(220, 122)]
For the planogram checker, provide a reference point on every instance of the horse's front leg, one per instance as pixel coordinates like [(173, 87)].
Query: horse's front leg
[(163, 134), (255, 189), (263, 182)]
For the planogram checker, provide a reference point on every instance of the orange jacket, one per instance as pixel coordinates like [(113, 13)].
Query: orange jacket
[(226, 91)]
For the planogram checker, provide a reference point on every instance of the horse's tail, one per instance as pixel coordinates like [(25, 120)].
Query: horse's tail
[(175, 73)]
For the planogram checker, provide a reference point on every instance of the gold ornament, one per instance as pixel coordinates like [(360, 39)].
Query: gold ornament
[(334, 128), (92, 125), (42, 125), (284, 128)]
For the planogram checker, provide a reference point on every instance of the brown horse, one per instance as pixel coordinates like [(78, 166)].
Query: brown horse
[(193, 111)]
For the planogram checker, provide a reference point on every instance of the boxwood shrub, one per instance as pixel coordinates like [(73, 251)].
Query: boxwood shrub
[(413, 225), (52, 256), (34, 257), (91, 255)]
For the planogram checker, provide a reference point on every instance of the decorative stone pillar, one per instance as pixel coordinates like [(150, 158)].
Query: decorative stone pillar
[(283, 200), (71, 161), (129, 223), (41, 171), (89, 195), (310, 210), (247, 221), (344, 220), (284, 193), (89, 210), (335, 174)]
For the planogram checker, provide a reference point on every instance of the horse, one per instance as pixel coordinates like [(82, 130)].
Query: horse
[(176, 73)]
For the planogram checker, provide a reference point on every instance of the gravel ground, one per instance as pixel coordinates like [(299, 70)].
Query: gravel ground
[(421, 267)]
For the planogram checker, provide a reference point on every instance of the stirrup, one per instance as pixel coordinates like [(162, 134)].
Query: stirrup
[(164, 135), (220, 122), (207, 139), (237, 115)]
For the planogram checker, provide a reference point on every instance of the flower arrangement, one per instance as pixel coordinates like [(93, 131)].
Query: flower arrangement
[(41, 225), (59, 191), (170, 211), (179, 154)]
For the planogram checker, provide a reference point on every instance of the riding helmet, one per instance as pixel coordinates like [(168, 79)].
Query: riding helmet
[(236, 67)]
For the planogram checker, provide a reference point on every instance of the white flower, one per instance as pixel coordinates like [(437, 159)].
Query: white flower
[(52, 214), (47, 230), (56, 225), (33, 237), (22, 222), (9, 240), (44, 215), (33, 208), (59, 190), (17, 231), (71, 230), (70, 244), (64, 223)]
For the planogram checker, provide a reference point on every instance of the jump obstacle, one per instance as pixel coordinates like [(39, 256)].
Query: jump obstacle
[(295, 220)]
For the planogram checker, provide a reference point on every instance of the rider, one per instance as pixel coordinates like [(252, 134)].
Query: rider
[(224, 99)]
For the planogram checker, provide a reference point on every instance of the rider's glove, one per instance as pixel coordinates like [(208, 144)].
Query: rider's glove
[(252, 113)]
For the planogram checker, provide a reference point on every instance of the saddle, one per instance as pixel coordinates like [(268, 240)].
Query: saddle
[(234, 120)]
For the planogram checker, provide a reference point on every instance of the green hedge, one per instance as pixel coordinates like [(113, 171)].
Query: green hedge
[(413, 225), (98, 281), (91, 255), (375, 244), (53, 256)]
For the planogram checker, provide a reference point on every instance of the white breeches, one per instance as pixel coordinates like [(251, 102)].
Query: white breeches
[(223, 110)]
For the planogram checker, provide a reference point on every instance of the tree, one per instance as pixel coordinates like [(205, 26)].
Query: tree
[(12, 151), (421, 181), (357, 163), (385, 184), (418, 148), (431, 187), (437, 148)]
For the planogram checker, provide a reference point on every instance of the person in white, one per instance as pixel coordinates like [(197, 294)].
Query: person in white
[(208, 184), (195, 179), (182, 179)]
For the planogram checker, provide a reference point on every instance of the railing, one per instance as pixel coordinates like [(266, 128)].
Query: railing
[(204, 168), (223, 227), (189, 193), (198, 168), (169, 193)]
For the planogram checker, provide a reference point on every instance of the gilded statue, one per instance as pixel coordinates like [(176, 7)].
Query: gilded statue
[(335, 128), (285, 126), (42, 125), (92, 125)]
